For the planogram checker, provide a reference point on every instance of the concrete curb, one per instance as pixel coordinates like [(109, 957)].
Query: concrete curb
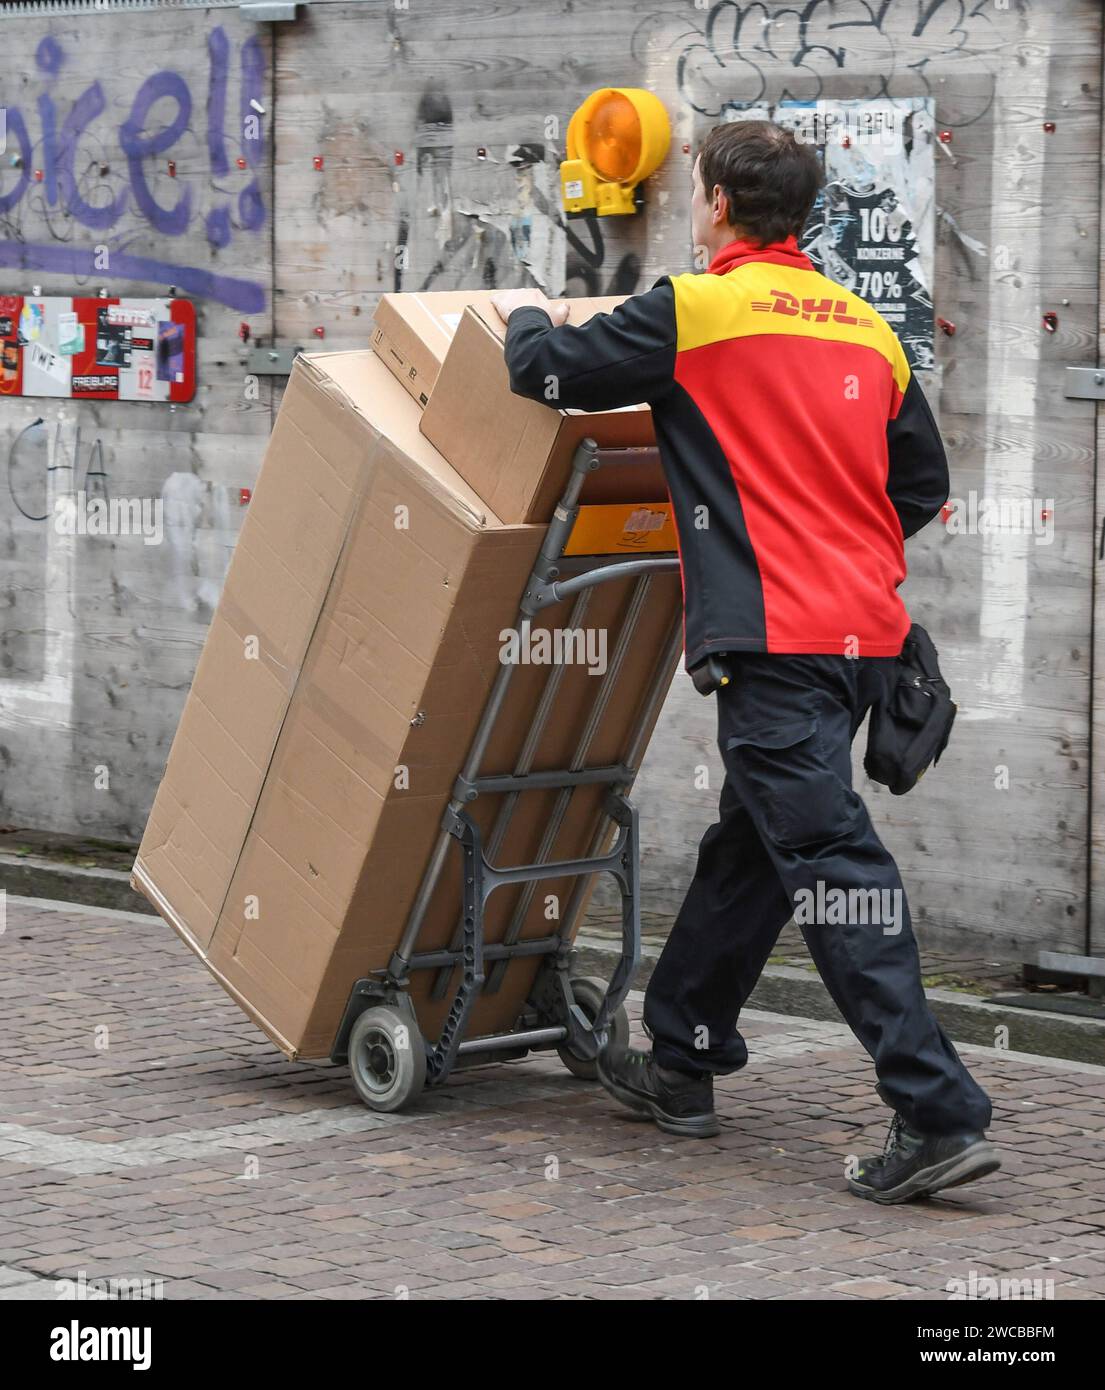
[(784, 990), (34, 876)]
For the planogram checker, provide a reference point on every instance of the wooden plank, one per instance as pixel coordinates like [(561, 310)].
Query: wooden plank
[(1095, 925)]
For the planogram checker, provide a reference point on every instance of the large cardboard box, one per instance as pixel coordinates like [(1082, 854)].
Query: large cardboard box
[(447, 348), (411, 333), (517, 453), (346, 667)]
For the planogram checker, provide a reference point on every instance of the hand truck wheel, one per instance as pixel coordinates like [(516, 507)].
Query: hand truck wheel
[(387, 1058), (589, 993)]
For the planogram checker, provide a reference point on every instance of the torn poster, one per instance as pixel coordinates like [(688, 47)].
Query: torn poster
[(872, 229)]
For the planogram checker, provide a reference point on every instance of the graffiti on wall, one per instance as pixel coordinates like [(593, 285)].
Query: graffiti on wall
[(746, 51), (503, 227), (85, 182)]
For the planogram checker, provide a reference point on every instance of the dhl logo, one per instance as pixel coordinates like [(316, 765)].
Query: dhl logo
[(815, 310)]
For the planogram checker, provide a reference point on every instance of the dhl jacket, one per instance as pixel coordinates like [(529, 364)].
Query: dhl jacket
[(798, 448)]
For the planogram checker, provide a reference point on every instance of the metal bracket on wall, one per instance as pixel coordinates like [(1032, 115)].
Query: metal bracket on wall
[(1071, 971), (1085, 383), (268, 11), (272, 361), (21, 9), (1068, 964)]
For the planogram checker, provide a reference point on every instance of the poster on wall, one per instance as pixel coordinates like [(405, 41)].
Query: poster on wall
[(98, 349), (873, 228)]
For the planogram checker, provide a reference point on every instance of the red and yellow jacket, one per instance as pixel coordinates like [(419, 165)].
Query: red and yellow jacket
[(797, 446)]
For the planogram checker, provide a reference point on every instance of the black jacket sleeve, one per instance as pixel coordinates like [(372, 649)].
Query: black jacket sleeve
[(626, 357), (917, 481)]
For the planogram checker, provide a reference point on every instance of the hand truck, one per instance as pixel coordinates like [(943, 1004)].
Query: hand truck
[(379, 1035)]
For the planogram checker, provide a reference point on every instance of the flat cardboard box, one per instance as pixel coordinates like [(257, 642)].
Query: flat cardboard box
[(517, 453), (347, 665), (412, 332)]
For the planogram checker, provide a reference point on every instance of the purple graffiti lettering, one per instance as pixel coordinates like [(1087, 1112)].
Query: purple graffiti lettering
[(47, 119), (137, 146), (218, 227), (48, 56), (85, 109), (17, 127), (251, 207), (247, 296), (54, 169), (218, 50)]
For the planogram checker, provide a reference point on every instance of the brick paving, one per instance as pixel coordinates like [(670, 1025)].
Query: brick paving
[(149, 1132)]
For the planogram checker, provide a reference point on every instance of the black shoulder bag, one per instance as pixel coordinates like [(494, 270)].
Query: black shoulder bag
[(910, 726)]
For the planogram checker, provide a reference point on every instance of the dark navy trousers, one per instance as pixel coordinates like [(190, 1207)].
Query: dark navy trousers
[(794, 839)]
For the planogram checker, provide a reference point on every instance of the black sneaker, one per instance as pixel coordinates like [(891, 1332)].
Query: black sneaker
[(679, 1103), (915, 1165)]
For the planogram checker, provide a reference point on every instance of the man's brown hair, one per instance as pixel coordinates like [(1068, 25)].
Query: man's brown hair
[(770, 178)]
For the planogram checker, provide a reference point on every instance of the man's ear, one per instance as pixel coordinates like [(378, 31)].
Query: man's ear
[(719, 213)]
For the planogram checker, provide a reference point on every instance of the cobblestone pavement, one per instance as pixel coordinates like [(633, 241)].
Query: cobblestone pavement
[(188, 1153)]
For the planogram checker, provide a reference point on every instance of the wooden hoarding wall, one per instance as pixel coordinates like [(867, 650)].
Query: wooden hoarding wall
[(416, 147)]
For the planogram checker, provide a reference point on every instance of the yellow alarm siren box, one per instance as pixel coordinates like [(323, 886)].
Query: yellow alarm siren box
[(618, 137)]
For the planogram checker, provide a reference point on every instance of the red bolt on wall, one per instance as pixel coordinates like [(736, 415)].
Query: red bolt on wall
[(318, 161), (1051, 321), (1049, 127), (39, 176), (398, 157), (1045, 514), (320, 332), (244, 496), (846, 142), (241, 162), (172, 168), (481, 153), (946, 327), (945, 512), (243, 332), (945, 137), (686, 149)]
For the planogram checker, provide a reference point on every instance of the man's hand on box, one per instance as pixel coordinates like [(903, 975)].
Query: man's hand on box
[(508, 300)]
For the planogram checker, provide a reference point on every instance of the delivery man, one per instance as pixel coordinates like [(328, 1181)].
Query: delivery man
[(799, 452)]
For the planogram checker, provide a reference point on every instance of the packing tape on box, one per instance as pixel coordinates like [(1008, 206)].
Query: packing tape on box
[(238, 619)]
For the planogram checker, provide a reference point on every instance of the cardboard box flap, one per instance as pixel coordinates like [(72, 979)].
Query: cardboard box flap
[(412, 332), (517, 453), (354, 382)]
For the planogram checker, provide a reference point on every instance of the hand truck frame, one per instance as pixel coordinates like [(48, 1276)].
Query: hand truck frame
[(379, 1035)]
